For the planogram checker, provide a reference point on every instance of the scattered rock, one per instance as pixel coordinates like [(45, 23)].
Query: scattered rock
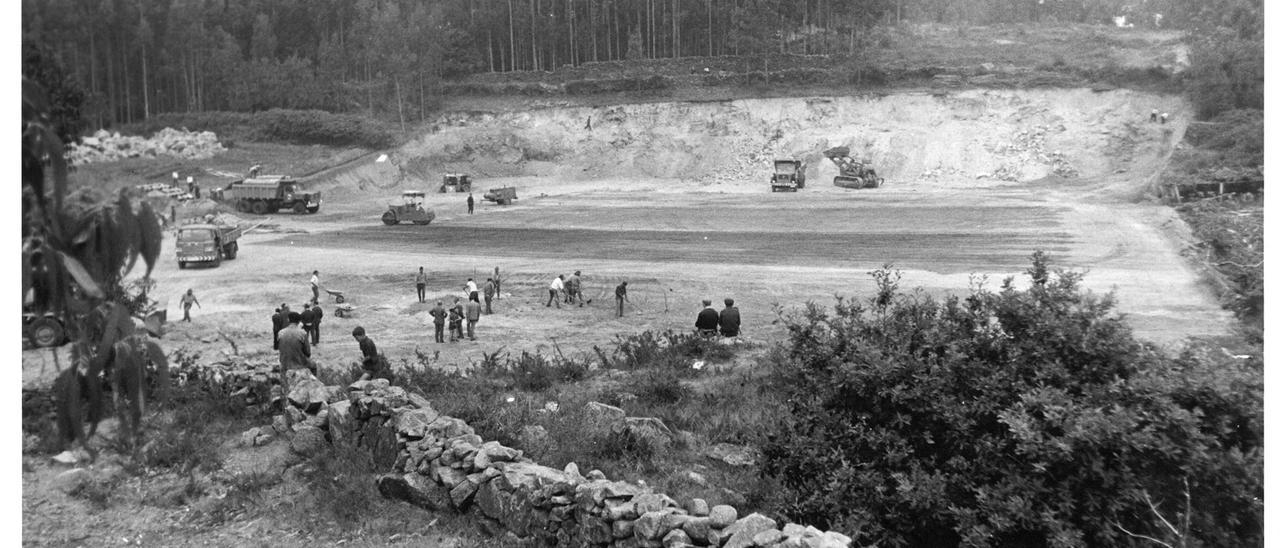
[(733, 455), (72, 480), (605, 411), (723, 515), (308, 441), (698, 507)]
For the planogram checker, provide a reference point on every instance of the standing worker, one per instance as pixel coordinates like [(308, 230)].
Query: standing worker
[(576, 292), (1155, 115), (571, 287), (557, 285), (708, 320), (471, 203), (295, 353), (488, 296), (473, 316), (315, 329), (455, 320), (187, 300), (315, 286), (308, 318), (421, 281), (497, 284), (621, 294), (278, 321), (438, 315), (730, 321)]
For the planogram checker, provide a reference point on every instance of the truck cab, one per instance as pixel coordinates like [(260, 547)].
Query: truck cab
[(788, 175), (206, 243)]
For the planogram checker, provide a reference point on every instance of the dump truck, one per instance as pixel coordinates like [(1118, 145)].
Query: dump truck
[(270, 194), (456, 181), (788, 175), (410, 210), (207, 243), (853, 173), (501, 195)]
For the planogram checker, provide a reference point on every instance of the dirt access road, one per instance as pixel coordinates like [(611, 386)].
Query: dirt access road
[(674, 199)]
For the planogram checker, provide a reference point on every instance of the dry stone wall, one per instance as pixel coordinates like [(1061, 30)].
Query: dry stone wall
[(438, 462)]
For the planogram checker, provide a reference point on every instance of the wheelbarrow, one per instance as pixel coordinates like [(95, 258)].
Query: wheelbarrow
[(344, 311), (338, 296)]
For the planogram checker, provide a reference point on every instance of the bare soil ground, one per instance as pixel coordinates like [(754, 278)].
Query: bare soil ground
[(674, 199)]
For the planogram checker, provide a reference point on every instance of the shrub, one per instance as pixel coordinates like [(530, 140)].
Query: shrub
[(1015, 418)]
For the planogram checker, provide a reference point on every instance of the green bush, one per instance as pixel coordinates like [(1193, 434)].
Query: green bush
[(1013, 418)]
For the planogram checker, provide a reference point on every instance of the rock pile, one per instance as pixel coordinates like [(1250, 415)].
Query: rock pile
[(1028, 147), (438, 462), (105, 146)]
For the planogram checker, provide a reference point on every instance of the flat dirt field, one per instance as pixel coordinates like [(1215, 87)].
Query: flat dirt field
[(674, 198)]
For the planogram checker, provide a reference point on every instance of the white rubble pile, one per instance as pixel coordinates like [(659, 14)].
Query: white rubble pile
[(1028, 147), (105, 146)]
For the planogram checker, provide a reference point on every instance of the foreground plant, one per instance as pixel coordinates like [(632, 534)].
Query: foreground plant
[(75, 255), (1014, 418)]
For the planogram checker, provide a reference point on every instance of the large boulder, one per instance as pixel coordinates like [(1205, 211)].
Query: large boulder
[(415, 489), (534, 478), (742, 532), (605, 412), (492, 452), (414, 424), (308, 441)]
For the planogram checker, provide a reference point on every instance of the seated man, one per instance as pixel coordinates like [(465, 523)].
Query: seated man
[(708, 320)]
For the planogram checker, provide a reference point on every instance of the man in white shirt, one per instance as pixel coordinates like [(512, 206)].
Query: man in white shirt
[(315, 287), (472, 290), (557, 285)]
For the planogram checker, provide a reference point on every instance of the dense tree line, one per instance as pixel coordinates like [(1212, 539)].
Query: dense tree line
[(135, 58)]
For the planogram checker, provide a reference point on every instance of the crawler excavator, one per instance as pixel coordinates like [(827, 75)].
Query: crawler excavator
[(853, 173)]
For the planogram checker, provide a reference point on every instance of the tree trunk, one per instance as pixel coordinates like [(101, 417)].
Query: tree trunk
[(511, 26), (533, 33), (146, 87), (400, 105)]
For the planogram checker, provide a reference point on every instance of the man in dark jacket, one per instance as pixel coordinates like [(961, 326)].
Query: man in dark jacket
[(308, 319), (318, 314), (456, 314), (438, 316), (708, 320), (730, 321), (277, 323), (373, 364)]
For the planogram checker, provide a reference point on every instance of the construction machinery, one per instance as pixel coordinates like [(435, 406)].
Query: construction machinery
[(854, 173), (270, 194), (207, 243), (788, 175), (501, 195), (456, 181), (409, 211)]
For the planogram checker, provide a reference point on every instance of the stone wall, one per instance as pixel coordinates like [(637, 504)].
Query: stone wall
[(438, 462)]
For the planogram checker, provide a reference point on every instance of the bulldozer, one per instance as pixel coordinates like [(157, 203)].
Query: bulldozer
[(854, 173), (409, 211)]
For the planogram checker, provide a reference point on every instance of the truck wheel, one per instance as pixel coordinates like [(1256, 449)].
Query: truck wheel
[(46, 332), (242, 206), (259, 207), (182, 265), (313, 209), (231, 250), (389, 219), (299, 208)]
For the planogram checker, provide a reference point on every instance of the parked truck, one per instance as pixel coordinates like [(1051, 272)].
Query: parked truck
[(207, 243), (270, 194), (457, 182), (788, 175), (501, 195)]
